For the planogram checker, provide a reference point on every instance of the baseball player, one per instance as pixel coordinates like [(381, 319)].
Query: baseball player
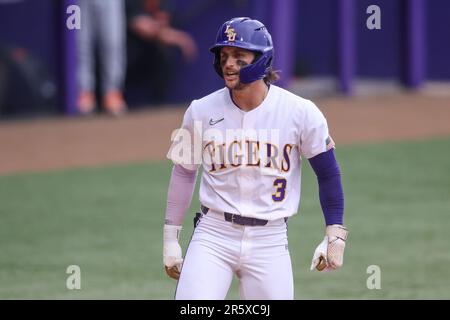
[(250, 138)]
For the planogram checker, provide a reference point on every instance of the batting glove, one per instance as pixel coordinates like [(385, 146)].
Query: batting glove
[(172, 255), (329, 254)]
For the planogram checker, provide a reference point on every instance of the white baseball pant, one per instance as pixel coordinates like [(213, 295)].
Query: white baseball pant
[(258, 255)]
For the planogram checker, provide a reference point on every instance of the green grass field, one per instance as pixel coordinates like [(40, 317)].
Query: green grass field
[(109, 222)]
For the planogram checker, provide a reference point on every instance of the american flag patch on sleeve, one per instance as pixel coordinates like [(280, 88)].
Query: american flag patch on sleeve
[(329, 143)]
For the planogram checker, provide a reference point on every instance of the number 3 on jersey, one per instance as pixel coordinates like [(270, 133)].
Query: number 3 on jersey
[(280, 191)]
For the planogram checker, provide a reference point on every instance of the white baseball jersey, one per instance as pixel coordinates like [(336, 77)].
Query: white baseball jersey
[(251, 160)]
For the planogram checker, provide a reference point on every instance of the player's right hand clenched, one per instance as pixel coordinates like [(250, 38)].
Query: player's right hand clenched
[(172, 254), (329, 254)]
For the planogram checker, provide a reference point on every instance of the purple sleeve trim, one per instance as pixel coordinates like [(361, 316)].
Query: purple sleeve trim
[(330, 186)]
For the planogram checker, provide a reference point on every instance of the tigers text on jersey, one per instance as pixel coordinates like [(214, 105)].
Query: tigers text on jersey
[(251, 160)]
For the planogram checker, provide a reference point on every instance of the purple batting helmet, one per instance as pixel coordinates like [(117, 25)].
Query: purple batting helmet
[(247, 34)]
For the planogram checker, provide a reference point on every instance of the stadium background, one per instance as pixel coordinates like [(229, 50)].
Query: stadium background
[(91, 191)]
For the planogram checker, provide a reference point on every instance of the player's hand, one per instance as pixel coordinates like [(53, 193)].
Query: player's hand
[(172, 255), (329, 254)]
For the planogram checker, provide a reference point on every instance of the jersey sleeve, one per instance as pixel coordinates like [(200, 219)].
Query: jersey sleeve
[(185, 149), (314, 136)]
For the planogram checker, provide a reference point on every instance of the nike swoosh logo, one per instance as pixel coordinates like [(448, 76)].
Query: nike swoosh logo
[(213, 122)]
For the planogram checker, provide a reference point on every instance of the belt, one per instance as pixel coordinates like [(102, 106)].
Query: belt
[(238, 219)]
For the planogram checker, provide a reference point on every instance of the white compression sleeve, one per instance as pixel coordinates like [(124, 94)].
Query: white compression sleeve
[(179, 195)]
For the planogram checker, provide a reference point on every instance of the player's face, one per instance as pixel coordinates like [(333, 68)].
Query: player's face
[(232, 60)]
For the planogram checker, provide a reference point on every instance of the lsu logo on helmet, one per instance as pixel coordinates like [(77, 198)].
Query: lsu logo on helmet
[(231, 35)]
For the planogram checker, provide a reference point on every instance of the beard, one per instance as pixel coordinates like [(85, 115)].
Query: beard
[(236, 86)]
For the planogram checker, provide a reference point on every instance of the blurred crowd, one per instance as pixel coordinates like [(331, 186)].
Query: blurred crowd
[(126, 42), (123, 54)]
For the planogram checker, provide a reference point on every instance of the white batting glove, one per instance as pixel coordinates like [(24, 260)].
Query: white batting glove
[(172, 254), (329, 254)]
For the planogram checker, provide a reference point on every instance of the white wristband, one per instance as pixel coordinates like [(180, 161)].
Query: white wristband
[(336, 231), (171, 232)]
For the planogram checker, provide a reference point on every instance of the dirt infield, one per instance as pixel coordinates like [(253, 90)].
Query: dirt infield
[(49, 144)]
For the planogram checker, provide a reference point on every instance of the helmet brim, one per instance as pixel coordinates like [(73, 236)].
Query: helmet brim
[(239, 44)]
